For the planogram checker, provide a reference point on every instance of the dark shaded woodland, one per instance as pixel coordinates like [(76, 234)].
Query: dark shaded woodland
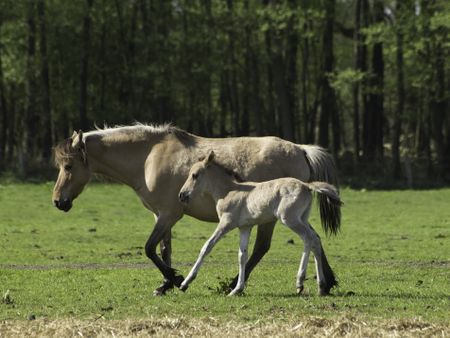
[(368, 79)]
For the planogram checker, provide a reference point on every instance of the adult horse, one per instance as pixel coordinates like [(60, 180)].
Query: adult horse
[(155, 161)]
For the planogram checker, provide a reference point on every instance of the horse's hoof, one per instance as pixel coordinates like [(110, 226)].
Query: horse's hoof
[(184, 287), (324, 292), (178, 280), (158, 293), (299, 290)]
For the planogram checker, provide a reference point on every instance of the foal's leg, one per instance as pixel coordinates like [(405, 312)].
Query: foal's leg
[(221, 230), (243, 254), (262, 245), (164, 223), (301, 275), (302, 230), (325, 275)]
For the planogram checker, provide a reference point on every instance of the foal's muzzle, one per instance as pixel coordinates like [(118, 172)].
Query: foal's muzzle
[(184, 197), (64, 204)]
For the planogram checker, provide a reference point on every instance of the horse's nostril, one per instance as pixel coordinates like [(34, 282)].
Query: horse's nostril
[(55, 203), (183, 197)]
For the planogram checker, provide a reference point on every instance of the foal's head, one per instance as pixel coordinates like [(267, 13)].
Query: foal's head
[(70, 158), (196, 182), (204, 176)]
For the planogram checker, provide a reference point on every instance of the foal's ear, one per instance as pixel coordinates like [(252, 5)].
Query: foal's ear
[(210, 157)]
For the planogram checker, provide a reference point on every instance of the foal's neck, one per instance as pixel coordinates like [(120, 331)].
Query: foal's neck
[(221, 184)]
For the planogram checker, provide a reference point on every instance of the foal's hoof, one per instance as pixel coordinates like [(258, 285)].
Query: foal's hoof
[(236, 293), (299, 290), (184, 287), (178, 279)]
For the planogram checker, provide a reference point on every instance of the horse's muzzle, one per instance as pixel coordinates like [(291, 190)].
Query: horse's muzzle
[(64, 205), (184, 197)]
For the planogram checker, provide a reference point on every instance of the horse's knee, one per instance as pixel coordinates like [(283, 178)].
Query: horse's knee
[(150, 249)]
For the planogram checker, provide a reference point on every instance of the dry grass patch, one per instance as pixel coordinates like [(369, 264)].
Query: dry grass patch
[(177, 327)]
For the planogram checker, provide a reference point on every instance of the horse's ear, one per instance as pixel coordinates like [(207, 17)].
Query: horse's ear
[(77, 140), (210, 157)]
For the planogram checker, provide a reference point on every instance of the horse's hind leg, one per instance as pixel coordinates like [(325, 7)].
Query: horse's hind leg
[(221, 230), (262, 245), (243, 254)]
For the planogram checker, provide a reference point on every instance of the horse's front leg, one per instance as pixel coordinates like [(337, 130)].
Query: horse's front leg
[(243, 255), (162, 227), (166, 253), (220, 231), (262, 245)]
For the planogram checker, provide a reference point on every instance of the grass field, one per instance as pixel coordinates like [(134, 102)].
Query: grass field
[(87, 269)]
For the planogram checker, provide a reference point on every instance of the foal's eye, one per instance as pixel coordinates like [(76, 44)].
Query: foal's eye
[(67, 167), (194, 176)]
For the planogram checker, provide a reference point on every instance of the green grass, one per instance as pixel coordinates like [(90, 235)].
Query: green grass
[(392, 260)]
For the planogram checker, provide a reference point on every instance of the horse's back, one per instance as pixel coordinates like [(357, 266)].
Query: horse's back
[(262, 158)]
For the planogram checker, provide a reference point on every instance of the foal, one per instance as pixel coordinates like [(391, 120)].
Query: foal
[(242, 205)]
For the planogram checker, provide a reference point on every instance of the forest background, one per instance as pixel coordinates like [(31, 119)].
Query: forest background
[(367, 79)]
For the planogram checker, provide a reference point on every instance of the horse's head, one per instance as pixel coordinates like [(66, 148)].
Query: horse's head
[(74, 173), (195, 183)]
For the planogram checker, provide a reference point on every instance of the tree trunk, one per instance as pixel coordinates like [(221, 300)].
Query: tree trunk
[(246, 101), (3, 117), (209, 118), (438, 108), (270, 116), (3, 114), (358, 41), (304, 77), (47, 117), (398, 112), (328, 97), (163, 96), (85, 54), (373, 148), (233, 84), (28, 122)]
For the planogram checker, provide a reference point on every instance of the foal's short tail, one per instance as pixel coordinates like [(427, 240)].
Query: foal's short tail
[(329, 206)]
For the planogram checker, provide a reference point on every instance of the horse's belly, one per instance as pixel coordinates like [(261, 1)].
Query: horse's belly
[(203, 209)]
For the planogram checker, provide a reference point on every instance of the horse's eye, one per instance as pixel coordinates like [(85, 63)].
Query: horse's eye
[(68, 167), (194, 176)]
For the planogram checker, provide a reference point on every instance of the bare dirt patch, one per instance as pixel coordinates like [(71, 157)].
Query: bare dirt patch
[(182, 327)]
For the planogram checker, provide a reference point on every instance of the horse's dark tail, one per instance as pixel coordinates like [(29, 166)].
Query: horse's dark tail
[(329, 206)]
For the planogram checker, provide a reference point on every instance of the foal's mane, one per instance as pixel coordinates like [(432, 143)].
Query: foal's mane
[(63, 150)]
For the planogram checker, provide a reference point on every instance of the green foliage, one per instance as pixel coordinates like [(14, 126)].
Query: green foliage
[(207, 66)]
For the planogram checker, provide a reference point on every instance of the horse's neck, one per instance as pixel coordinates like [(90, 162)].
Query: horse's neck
[(121, 161)]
